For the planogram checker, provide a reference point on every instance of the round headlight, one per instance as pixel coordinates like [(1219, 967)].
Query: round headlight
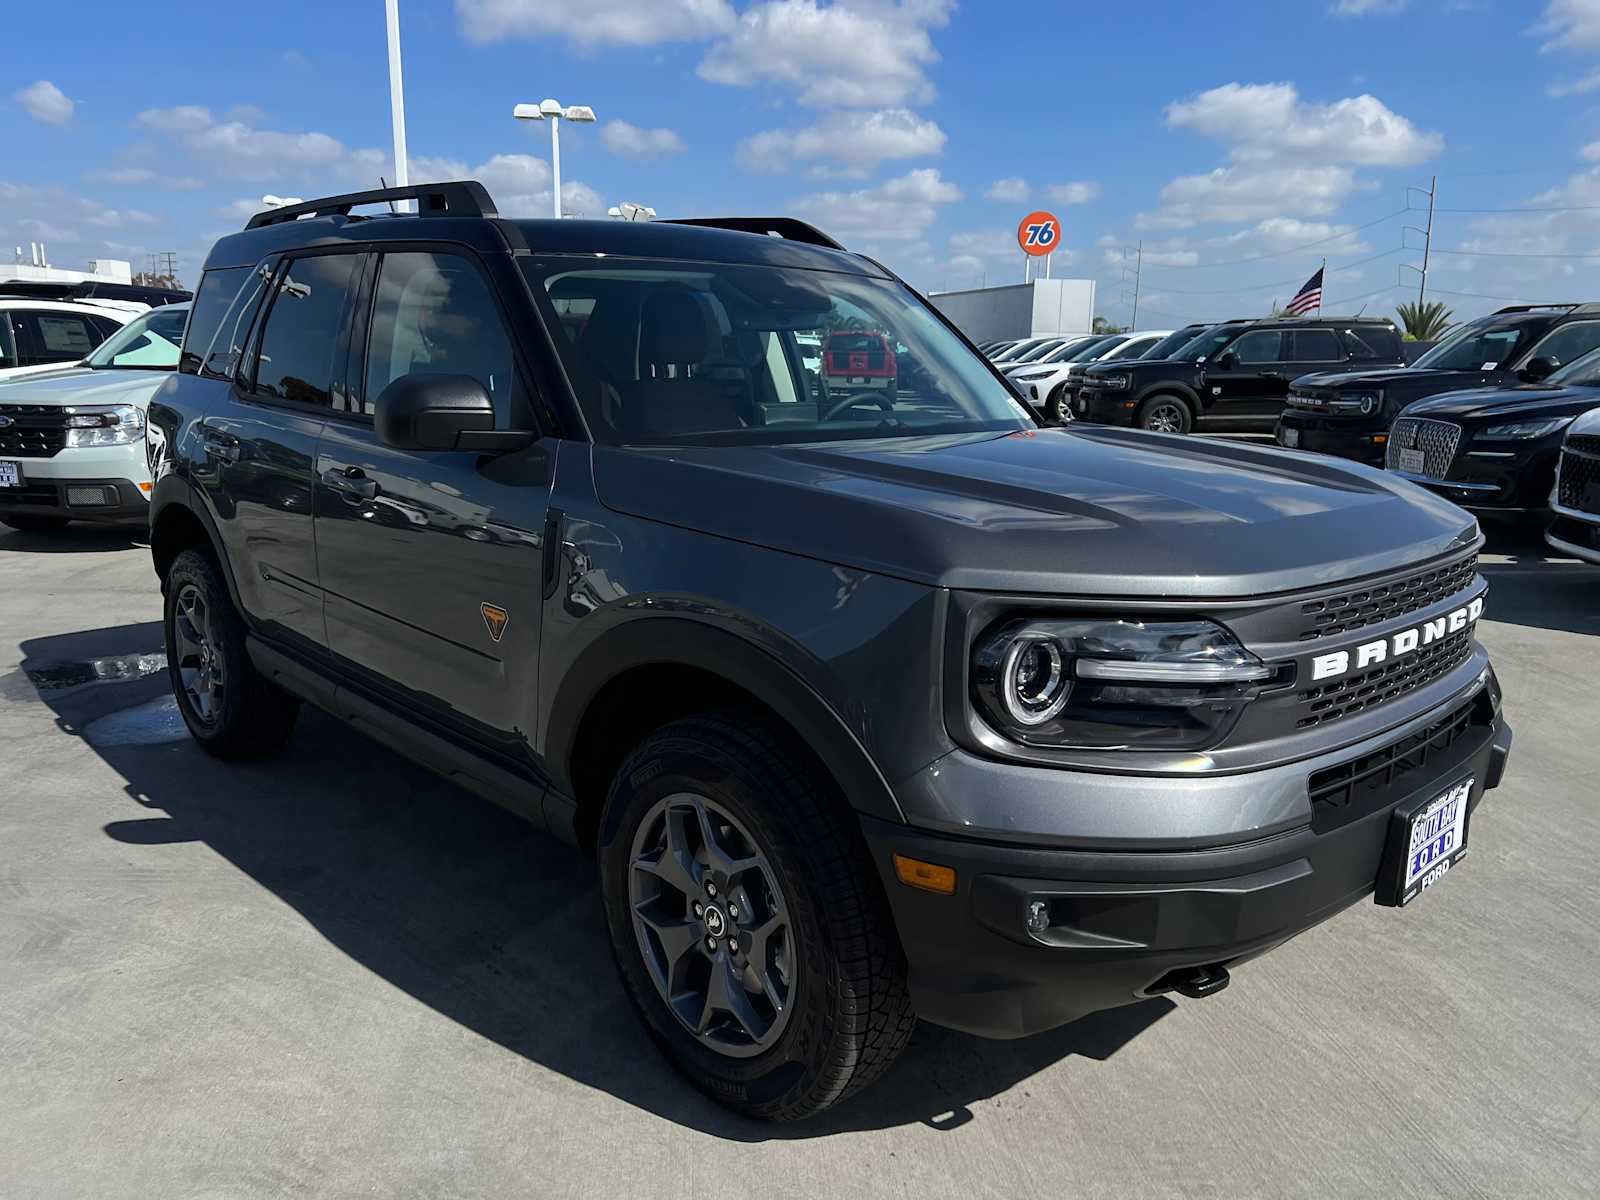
[(1033, 680), (1369, 405)]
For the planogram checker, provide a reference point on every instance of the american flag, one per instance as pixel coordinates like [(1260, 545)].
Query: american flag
[(1308, 297)]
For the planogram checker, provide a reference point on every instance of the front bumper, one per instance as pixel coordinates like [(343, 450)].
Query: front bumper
[(1362, 439), (1127, 924), (1103, 407), (1494, 479), (1576, 534), (100, 500)]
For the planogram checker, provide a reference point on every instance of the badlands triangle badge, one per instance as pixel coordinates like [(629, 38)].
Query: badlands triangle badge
[(495, 618)]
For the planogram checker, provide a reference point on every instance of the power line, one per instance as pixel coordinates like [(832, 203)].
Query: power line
[(1508, 254), (1271, 283), (1564, 209), (1338, 237), (1478, 295)]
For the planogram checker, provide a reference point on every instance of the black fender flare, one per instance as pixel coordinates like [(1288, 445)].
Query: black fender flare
[(174, 491), (677, 641)]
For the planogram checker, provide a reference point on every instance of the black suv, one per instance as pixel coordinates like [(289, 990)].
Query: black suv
[(1349, 412), (1235, 376), (868, 705)]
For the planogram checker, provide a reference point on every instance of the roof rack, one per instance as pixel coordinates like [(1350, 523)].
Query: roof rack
[(788, 228), (465, 198), (1573, 307)]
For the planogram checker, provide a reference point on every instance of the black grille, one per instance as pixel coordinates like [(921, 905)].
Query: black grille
[(1363, 785), (1380, 684), (1578, 482), (1357, 610), (1585, 443), (35, 431)]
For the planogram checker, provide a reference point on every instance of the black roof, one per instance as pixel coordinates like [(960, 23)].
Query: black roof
[(464, 214), (92, 289)]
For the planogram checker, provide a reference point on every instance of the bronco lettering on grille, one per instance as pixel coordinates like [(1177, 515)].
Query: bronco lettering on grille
[(1396, 645)]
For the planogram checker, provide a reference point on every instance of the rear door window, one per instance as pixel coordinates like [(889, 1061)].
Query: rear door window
[(296, 355), (1569, 342), (58, 337), (1314, 346), (1258, 346)]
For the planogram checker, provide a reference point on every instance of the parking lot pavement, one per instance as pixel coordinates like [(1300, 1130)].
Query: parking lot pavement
[(333, 974)]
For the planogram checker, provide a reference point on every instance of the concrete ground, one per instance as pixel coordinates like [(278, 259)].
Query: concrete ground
[(332, 975)]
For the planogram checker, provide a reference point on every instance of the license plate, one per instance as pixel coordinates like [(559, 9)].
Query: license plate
[(1289, 437), (10, 474), (858, 379), (1410, 460), (1425, 841), (1081, 404)]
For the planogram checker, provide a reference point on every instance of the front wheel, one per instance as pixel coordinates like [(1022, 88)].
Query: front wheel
[(232, 710), (1056, 411), (1164, 414), (749, 929)]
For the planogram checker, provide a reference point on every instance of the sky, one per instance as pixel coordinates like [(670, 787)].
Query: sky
[(1240, 144)]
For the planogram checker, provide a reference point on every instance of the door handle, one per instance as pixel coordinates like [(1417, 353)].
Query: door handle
[(220, 445), (351, 482)]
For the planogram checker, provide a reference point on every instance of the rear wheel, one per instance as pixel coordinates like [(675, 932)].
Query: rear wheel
[(1165, 414), (749, 929), (1056, 411), (27, 524), (230, 708)]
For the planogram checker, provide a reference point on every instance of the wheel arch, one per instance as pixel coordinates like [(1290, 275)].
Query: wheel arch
[(179, 520), (649, 671)]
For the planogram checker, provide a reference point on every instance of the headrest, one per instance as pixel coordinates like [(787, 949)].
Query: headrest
[(672, 329)]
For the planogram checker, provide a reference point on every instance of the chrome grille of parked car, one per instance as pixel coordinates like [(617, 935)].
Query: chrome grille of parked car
[(1436, 439), (1578, 477)]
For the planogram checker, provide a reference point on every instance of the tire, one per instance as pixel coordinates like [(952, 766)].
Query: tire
[(27, 524), (229, 707), (827, 950), (1055, 410), (1165, 414)]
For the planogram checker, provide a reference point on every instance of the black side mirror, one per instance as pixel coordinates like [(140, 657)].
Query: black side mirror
[(1226, 361), (1539, 369), (441, 412)]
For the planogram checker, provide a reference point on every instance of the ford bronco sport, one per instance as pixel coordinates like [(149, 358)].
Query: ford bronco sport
[(869, 705)]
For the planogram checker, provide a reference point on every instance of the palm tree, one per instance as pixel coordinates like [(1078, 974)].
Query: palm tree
[(1424, 322)]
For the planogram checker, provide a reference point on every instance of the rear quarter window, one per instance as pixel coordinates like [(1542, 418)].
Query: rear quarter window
[(211, 301)]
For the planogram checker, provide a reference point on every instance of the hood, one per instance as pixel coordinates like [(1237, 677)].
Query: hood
[(1084, 510), (1167, 368), (81, 385), (1530, 400), (1410, 377), (7, 374)]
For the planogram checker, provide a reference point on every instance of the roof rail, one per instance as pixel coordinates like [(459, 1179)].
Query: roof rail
[(788, 228), (1516, 308), (464, 198)]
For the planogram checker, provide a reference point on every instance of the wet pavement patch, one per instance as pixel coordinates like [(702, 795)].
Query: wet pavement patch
[(150, 724), (120, 668)]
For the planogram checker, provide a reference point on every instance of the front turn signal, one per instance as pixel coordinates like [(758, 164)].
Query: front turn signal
[(930, 877)]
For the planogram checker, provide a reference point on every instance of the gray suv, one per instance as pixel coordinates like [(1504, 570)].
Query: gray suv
[(869, 705)]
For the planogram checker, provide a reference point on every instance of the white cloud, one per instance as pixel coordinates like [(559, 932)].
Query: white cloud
[(986, 243), (1581, 86), (1367, 8), (1569, 25), (1251, 193), (46, 102), (184, 118), (862, 54), (597, 22), (1012, 190), (1082, 191), (622, 138), (1269, 121), (519, 184), (296, 59), (138, 176), (858, 140), (896, 210)]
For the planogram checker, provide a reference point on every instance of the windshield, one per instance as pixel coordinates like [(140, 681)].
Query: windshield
[(1172, 344), (1481, 345), (689, 353), (1209, 342), (1038, 352), (1065, 351), (1010, 353), (150, 342)]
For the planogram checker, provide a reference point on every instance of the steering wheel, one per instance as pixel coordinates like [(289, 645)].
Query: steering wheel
[(881, 399)]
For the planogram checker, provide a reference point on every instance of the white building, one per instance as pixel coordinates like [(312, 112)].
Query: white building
[(34, 267), (1043, 308)]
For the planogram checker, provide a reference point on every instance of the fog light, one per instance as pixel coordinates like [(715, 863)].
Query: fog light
[(90, 497), (930, 877), (1038, 916)]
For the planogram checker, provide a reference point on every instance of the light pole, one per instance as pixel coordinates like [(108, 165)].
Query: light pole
[(397, 100), (549, 110)]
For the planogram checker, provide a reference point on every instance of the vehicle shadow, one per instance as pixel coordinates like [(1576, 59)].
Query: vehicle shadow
[(1536, 586), (457, 902), (74, 539)]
